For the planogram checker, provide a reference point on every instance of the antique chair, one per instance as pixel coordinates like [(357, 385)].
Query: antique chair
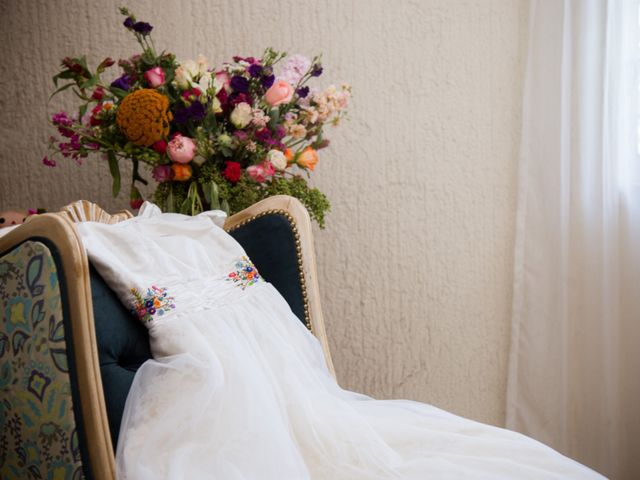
[(69, 349)]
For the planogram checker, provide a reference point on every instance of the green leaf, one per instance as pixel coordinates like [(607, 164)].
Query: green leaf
[(65, 75), (225, 206), (211, 195), (64, 87), (207, 192), (186, 206), (115, 173), (118, 92), (148, 58), (82, 61), (210, 123), (274, 115), (171, 204), (80, 95), (90, 83)]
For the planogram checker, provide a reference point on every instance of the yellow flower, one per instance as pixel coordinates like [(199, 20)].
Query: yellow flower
[(144, 116)]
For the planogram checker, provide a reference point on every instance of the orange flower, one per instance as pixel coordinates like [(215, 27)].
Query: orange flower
[(144, 116), (308, 158), (181, 172), (288, 154)]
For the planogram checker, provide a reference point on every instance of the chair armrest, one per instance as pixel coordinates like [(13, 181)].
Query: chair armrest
[(54, 388)]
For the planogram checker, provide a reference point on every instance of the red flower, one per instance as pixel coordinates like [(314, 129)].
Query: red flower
[(98, 93), (191, 94), (232, 171), (160, 146), (94, 120)]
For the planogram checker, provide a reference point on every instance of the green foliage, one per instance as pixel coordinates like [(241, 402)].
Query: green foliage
[(240, 195)]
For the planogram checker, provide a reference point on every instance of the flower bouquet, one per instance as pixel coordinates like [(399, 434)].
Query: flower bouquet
[(213, 138)]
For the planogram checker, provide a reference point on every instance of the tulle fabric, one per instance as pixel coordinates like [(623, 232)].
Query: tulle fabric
[(238, 387)]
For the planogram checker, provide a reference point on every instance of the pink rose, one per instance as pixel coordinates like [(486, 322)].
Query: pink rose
[(154, 77), (261, 172), (280, 92), (223, 79), (162, 173), (181, 149)]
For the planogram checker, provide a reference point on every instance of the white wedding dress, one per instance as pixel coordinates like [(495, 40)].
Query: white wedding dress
[(238, 387)]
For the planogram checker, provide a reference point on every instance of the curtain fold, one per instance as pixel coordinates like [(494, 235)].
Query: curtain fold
[(574, 373)]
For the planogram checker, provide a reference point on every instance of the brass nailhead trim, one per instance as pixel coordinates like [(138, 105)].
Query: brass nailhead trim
[(296, 235)]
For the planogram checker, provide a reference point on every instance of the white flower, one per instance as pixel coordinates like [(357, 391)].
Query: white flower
[(241, 115), (205, 82), (297, 131), (216, 107), (224, 140), (192, 69), (182, 77), (203, 65), (293, 68), (260, 119), (277, 159)]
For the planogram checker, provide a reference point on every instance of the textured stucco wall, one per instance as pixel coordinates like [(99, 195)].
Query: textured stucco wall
[(415, 262)]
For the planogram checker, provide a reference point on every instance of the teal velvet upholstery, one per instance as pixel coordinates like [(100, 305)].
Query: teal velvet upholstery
[(123, 345), (123, 342), (271, 245)]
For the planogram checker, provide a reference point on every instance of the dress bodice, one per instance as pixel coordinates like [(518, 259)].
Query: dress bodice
[(179, 264)]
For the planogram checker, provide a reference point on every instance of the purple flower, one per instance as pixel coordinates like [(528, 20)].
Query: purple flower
[(162, 173), (280, 132), (237, 98), (223, 97), (302, 92), (123, 82), (267, 81), (240, 135), (71, 149), (62, 120), (142, 27), (316, 70), (195, 112), (255, 70), (263, 135), (239, 84), (49, 162), (129, 23)]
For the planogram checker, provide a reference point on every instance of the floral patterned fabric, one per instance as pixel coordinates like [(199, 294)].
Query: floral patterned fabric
[(155, 303), (38, 437), (244, 273)]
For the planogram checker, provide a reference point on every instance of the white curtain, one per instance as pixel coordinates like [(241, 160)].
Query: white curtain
[(574, 377)]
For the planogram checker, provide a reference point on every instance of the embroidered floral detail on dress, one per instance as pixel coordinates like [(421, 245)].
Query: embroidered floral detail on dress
[(155, 303), (245, 274)]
